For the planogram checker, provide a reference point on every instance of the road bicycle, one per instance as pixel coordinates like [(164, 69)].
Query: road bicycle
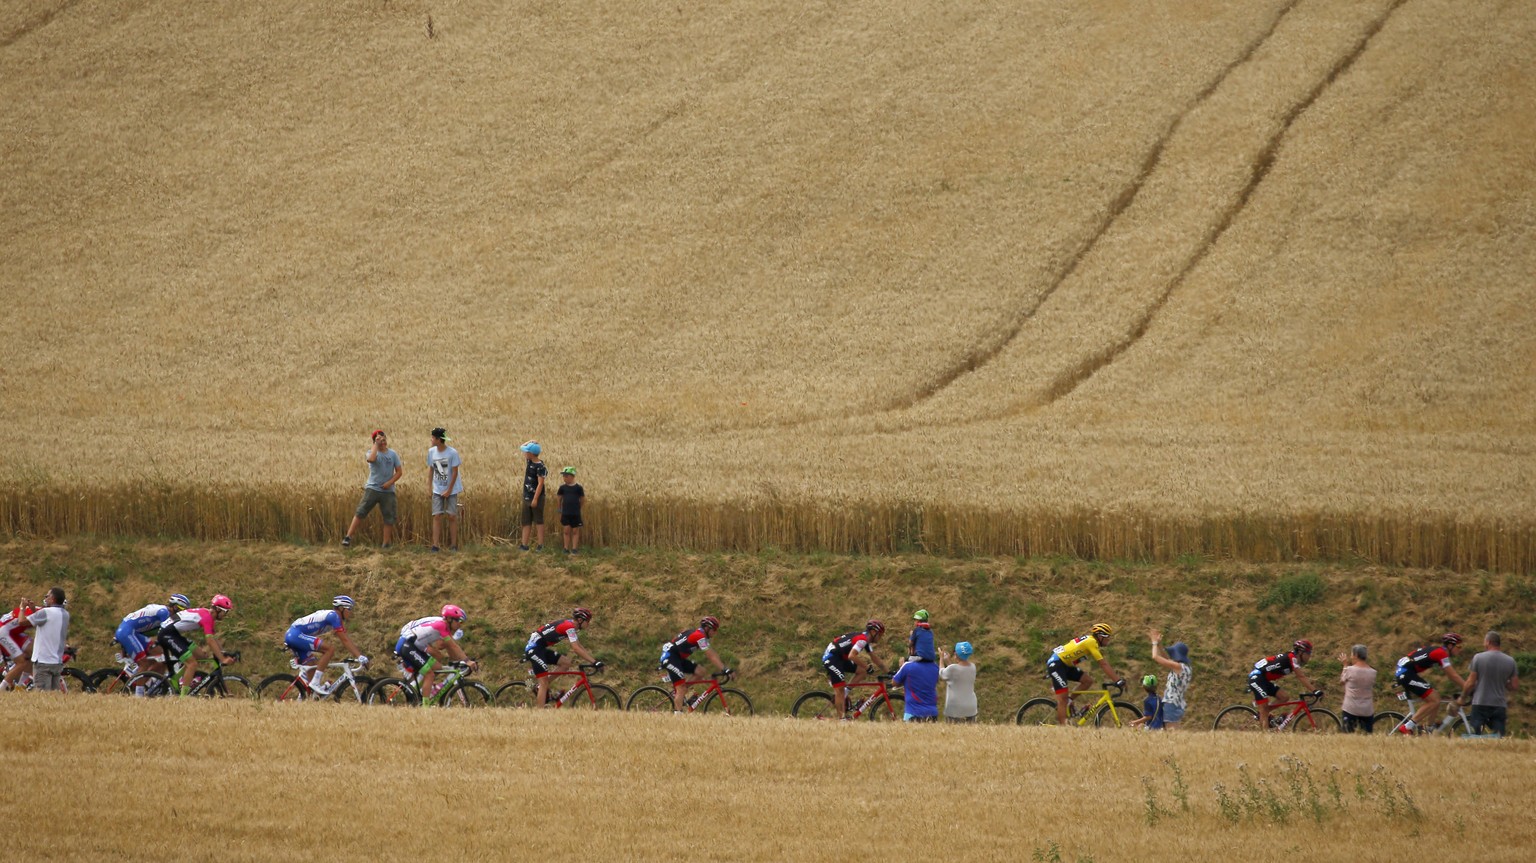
[(74, 681), (209, 684), (350, 687), (521, 694), (879, 705), (127, 679), (714, 698), (452, 691), (1302, 714), (1454, 721), (1104, 711)]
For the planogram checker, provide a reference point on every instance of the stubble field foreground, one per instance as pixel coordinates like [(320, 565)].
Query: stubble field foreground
[(1117, 280), (242, 781)]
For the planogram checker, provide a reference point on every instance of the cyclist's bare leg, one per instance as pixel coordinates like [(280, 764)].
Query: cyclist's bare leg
[(563, 665), (1061, 707), (840, 699), (542, 695), (23, 666), (1264, 708), (1428, 706), (681, 689)]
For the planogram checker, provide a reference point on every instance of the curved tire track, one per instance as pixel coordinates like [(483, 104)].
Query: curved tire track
[(36, 24)]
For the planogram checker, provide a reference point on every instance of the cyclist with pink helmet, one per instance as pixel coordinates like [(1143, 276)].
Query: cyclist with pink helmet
[(540, 651), (175, 637), (428, 641)]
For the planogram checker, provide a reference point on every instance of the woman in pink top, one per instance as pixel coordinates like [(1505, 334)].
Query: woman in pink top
[(1359, 680)]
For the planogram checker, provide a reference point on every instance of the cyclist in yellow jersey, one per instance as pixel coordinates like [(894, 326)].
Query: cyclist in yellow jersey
[(1063, 671)]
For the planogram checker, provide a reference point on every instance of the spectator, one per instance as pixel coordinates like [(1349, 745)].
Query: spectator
[(571, 497), (1176, 688), (1493, 674), (16, 642), (920, 642), (444, 463), (920, 682), (533, 493), (1359, 680), (52, 625), (383, 472), (1149, 718), (959, 685)]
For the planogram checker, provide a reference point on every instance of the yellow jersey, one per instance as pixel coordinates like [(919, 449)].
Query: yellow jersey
[(1073, 651)]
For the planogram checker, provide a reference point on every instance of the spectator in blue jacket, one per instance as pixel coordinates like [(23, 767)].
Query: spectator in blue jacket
[(920, 684)]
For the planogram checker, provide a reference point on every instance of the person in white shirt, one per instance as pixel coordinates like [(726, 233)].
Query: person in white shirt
[(443, 463), (959, 684), (1176, 688), (52, 625), (1359, 680)]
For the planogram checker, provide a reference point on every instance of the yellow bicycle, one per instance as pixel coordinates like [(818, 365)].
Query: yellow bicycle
[(1104, 712)]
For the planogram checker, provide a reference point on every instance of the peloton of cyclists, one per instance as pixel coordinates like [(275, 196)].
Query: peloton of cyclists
[(176, 633), (305, 639), (540, 652), (426, 641), (682, 670), (851, 654), (1062, 668), (1264, 679), (1409, 676), (137, 628)]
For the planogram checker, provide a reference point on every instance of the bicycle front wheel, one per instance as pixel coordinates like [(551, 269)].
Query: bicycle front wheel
[(1238, 717), (650, 699), (1120, 717), (148, 684), (1322, 722), (281, 687), (466, 693), (355, 692), (517, 695), (728, 702), (107, 681), (893, 709), (1389, 720), (1037, 711), (815, 705), (603, 697), (392, 692)]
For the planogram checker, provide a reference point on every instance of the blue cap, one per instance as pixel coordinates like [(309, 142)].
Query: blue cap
[(1178, 652), (964, 650), (533, 447)]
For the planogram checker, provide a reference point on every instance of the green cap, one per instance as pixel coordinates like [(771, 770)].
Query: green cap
[(568, 470), (922, 614), (1149, 680)]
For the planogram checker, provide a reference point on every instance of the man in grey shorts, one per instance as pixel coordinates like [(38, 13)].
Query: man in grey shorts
[(1493, 675), (48, 645), (443, 462), (383, 472)]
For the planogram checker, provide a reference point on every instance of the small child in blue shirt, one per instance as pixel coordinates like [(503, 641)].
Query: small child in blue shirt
[(1150, 706), (920, 642)]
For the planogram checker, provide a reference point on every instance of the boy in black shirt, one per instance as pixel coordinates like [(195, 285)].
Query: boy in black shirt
[(571, 497)]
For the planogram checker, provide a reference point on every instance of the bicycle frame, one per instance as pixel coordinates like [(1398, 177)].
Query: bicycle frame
[(711, 684), (881, 694), (347, 677), (1302, 706), (1086, 714), (582, 684)]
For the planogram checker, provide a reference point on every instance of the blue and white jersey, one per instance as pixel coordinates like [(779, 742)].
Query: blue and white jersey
[(318, 623), (147, 619)]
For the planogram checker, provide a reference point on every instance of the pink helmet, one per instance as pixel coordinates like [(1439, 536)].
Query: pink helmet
[(222, 601), (453, 612)]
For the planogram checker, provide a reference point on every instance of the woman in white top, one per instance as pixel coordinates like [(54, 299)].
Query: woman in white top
[(1359, 680), (959, 684), (1176, 660)]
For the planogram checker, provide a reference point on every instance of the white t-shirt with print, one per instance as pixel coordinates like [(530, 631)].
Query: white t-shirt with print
[(441, 464), (52, 626), (1177, 686)]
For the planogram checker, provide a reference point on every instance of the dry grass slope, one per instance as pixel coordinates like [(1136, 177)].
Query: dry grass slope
[(1103, 279)]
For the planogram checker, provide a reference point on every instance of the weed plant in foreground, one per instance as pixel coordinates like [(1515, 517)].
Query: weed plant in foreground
[(267, 782)]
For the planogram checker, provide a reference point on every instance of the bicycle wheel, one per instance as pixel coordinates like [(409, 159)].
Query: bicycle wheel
[(1323, 722), (392, 692), (149, 685), (466, 693), (1389, 720), (726, 702), (281, 687), (893, 710), (1037, 711), (355, 692), (517, 695), (230, 686), (603, 697), (650, 699), (1238, 717), (76, 682), (1120, 718), (108, 681), (815, 705)]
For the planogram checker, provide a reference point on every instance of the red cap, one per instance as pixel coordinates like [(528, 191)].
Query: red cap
[(376, 433)]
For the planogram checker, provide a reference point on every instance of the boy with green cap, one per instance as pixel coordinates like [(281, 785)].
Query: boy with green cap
[(571, 497), (920, 642)]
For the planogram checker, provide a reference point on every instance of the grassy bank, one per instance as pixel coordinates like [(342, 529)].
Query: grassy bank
[(779, 609)]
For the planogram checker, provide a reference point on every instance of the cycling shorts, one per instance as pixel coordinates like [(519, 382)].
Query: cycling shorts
[(1413, 684), (175, 645), (542, 659), (677, 668), (412, 656), (1062, 675), (302, 645), (133, 644), (1263, 689), (839, 670)]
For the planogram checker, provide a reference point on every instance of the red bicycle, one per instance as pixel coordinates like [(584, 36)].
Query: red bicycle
[(521, 694), (731, 702), (1303, 715), (878, 705)]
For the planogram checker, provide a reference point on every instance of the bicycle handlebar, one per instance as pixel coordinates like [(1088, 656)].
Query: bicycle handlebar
[(590, 668)]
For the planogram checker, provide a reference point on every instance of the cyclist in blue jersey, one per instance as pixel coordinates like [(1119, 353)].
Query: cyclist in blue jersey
[(136, 629), (305, 639)]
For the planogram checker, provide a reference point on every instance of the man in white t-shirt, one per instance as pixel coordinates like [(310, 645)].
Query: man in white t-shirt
[(51, 623), (443, 463)]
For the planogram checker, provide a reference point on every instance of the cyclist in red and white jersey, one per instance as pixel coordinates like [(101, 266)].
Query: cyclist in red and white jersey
[(847, 660), (1264, 679), (540, 652), (1409, 676), (16, 640), (429, 640), (175, 637), (680, 668)]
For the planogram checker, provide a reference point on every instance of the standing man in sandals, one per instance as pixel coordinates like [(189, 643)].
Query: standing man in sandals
[(383, 472), (443, 462)]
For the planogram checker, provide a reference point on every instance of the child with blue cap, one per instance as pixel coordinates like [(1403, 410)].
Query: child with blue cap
[(959, 684)]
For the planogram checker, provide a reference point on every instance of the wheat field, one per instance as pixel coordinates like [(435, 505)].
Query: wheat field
[(1099, 278), (250, 782)]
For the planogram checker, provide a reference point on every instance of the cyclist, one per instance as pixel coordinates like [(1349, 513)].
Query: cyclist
[(424, 643), (309, 648), (540, 653), (1408, 676), (851, 653), (1062, 668), (16, 642), (137, 628), (1263, 680), (680, 669), (174, 637)]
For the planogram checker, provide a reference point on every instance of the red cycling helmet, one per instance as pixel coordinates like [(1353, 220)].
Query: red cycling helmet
[(1302, 645), (582, 614), (710, 623), (875, 627), (1451, 639)]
